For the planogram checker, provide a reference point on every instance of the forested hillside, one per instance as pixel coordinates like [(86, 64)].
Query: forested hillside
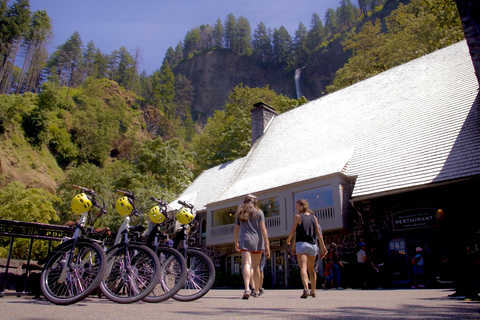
[(81, 116)]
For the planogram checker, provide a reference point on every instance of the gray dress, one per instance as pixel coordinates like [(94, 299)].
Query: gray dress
[(250, 237)]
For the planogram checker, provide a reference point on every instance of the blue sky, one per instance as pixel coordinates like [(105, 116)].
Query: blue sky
[(155, 25)]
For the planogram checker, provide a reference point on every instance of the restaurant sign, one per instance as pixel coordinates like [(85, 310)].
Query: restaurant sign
[(413, 219)]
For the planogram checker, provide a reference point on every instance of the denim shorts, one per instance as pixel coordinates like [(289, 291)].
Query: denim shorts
[(306, 248)]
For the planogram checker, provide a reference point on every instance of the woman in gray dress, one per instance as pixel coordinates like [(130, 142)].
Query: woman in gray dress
[(251, 239)]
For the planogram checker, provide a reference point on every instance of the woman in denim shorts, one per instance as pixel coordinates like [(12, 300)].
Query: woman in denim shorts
[(306, 234)]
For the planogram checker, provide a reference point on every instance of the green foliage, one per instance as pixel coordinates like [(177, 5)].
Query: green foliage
[(166, 162), (22, 204), (227, 135), (414, 30), (13, 108)]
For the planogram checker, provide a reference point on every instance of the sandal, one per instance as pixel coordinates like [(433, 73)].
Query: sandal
[(313, 294), (246, 294), (256, 294), (305, 294)]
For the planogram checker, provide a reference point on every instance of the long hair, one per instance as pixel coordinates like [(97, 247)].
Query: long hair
[(303, 205), (249, 208)]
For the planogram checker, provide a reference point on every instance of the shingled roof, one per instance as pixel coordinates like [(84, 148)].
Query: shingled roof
[(410, 126)]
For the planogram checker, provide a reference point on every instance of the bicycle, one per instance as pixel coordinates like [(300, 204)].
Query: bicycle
[(76, 267), (173, 271), (133, 270), (200, 268)]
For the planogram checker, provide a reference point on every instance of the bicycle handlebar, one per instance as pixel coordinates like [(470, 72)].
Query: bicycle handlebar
[(160, 202), (129, 194), (185, 204)]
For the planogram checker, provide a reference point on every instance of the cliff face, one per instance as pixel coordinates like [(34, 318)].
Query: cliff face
[(215, 73), (320, 69)]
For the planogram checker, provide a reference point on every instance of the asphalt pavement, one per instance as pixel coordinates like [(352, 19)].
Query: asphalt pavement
[(274, 304)]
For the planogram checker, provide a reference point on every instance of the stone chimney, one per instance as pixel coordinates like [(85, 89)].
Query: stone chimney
[(262, 114), (470, 15)]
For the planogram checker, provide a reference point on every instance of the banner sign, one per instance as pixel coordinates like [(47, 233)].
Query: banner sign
[(413, 219), (33, 230)]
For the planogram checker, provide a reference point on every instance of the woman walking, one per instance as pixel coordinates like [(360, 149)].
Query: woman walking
[(251, 239), (307, 234)]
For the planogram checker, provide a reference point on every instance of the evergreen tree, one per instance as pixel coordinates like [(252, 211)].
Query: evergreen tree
[(230, 30), (345, 15), (170, 56), (14, 24), (281, 45), (316, 34), (33, 43), (89, 60), (125, 68), (262, 44), (191, 42), (299, 46), (242, 43), (67, 60), (330, 22), (218, 34)]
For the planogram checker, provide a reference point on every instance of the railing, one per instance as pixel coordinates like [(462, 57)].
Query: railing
[(325, 214), (29, 230), (222, 231)]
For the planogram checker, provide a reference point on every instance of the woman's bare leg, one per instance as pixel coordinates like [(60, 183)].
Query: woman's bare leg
[(311, 272), (303, 264), (246, 268), (256, 271)]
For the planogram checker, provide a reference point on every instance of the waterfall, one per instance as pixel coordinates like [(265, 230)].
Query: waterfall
[(298, 72)]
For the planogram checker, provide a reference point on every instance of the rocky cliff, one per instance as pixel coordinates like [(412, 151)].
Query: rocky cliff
[(215, 73)]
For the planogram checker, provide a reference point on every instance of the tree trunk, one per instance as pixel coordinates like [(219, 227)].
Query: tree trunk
[(470, 15)]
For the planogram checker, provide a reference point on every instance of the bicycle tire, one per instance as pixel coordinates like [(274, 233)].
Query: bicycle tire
[(130, 276), (200, 276), (173, 274), (84, 275)]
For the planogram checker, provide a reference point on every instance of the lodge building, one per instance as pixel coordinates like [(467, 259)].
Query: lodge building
[(393, 161)]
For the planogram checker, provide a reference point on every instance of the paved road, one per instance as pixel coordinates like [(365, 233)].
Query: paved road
[(274, 304)]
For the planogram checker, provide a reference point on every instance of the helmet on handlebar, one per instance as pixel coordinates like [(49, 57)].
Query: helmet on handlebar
[(81, 203), (123, 206), (155, 215), (184, 216)]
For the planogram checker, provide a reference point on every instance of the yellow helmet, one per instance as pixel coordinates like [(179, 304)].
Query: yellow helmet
[(123, 206), (81, 203), (184, 216), (155, 215)]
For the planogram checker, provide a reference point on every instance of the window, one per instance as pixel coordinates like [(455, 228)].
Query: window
[(224, 216), (270, 207), (318, 198)]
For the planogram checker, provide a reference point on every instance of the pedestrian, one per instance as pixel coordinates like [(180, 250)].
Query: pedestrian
[(418, 267), (307, 234), (251, 239), (168, 241), (328, 273), (362, 266), (337, 264)]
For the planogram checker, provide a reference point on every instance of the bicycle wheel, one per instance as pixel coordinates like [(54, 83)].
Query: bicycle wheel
[(173, 273), (131, 273), (62, 284), (200, 276)]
